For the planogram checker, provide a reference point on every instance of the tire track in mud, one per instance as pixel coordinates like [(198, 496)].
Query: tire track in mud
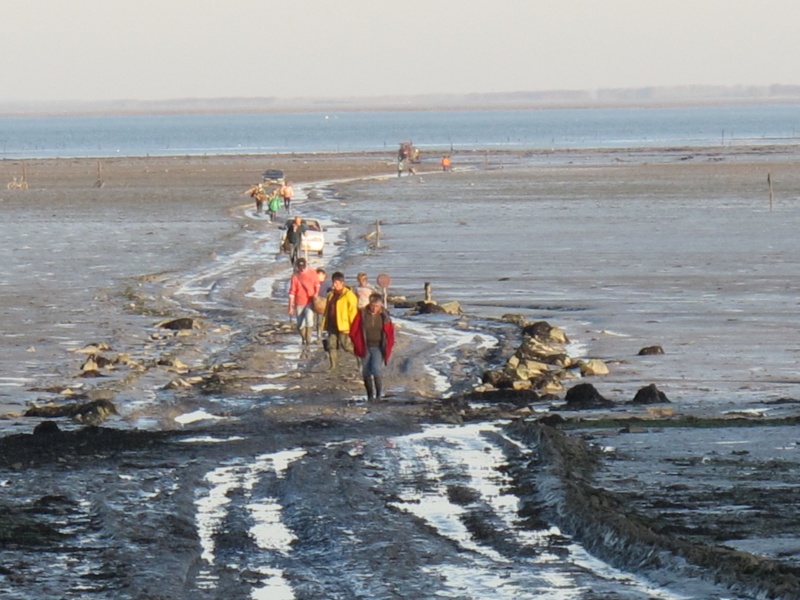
[(432, 514)]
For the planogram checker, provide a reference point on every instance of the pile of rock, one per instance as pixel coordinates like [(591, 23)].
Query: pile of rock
[(540, 363)]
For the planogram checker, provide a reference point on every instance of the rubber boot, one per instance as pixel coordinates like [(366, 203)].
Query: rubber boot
[(370, 389), (378, 387)]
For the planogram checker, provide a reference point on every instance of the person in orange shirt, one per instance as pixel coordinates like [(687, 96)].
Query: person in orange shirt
[(287, 192), (302, 288), (446, 163)]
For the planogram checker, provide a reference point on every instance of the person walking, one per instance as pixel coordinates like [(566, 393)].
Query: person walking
[(258, 194), (287, 193), (274, 206), (303, 286), (340, 311), (372, 334), (294, 237), (363, 290), (324, 288)]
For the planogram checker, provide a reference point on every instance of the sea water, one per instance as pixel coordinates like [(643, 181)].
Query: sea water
[(199, 134)]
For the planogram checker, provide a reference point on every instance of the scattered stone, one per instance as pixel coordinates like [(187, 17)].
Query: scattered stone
[(451, 308), (592, 367), (46, 427), (650, 394), (584, 396), (91, 373), (173, 364), (650, 350), (660, 412), (93, 348), (429, 308), (177, 324), (90, 413), (553, 420), (545, 332)]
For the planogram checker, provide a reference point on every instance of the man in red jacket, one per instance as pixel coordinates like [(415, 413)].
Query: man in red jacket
[(372, 332)]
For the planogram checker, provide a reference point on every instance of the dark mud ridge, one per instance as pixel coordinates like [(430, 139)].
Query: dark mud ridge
[(557, 486)]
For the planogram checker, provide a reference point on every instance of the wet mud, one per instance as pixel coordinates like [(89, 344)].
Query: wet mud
[(305, 491)]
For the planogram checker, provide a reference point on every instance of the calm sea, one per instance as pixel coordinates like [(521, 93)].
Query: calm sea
[(82, 136)]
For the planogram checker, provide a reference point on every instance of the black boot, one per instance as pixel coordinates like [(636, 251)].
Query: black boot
[(370, 389), (378, 388)]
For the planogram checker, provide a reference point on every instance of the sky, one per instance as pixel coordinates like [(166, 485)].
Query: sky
[(54, 50)]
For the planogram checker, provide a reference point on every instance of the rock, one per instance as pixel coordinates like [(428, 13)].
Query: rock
[(177, 324), (497, 379), (660, 412), (584, 396), (46, 427), (593, 366), (522, 384), (451, 308), (429, 308), (94, 412), (548, 383), (516, 319), (173, 364), (89, 364), (91, 413), (649, 350), (545, 332), (649, 394), (93, 348), (553, 420)]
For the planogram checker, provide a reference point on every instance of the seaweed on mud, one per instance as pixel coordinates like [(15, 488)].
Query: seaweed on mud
[(19, 530)]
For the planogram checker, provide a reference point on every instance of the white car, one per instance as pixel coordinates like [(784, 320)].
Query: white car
[(313, 238)]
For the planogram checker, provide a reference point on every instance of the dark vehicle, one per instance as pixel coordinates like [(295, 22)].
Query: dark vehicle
[(274, 177)]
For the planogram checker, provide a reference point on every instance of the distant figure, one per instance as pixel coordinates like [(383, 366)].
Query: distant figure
[(287, 193), (274, 205), (400, 167), (363, 290), (324, 288), (303, 286), (372, 334), (258, 194), (294, 238), (446, 163), (339, 314)]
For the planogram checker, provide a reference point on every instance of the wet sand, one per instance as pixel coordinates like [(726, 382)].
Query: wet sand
[(184, 211)]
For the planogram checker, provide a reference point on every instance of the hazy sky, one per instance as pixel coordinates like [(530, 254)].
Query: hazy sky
[(162, 49)]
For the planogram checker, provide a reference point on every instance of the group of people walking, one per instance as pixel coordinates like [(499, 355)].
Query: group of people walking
[(279, 196), (353, 320)]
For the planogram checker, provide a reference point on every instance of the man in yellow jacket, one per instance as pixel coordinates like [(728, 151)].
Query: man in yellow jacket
[(341, 309)]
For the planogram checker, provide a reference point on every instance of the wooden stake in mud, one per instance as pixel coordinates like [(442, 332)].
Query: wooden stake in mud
[(769, 183), (428, 295), (377, 234), (99, 181)]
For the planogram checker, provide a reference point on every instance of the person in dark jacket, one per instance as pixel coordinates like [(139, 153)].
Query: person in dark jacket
[(372, 333), (294, 237)]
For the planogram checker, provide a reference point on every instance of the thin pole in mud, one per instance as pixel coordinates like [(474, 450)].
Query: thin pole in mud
[(428, 294), (769, 183), (377, 234)]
